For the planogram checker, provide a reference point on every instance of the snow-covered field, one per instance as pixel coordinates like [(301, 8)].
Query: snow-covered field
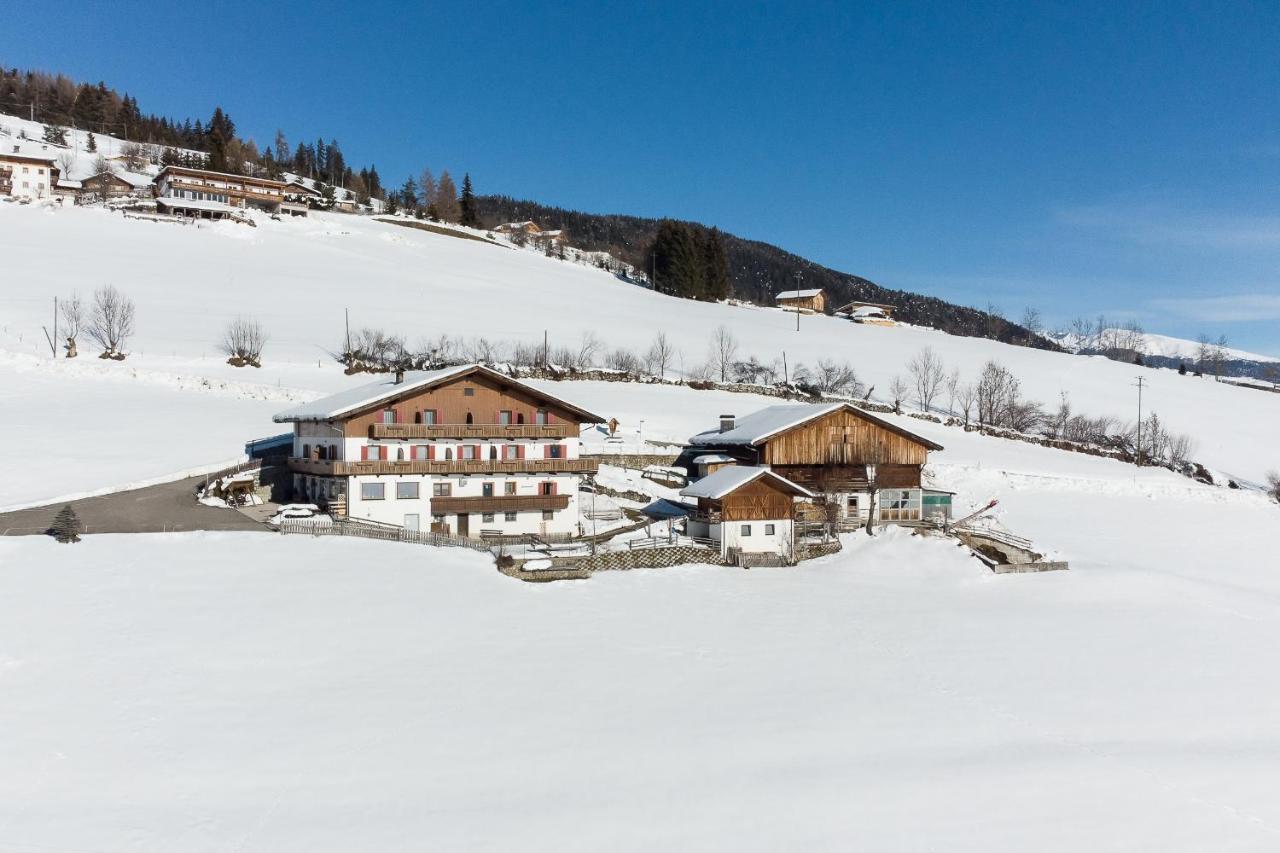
[(245, 692)]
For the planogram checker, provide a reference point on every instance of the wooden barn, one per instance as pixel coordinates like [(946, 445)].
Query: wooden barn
[(875, 313), (803, 300), (746, 511), (836, 450)]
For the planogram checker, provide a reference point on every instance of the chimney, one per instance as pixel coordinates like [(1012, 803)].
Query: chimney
[(399, 376), (726, 423)]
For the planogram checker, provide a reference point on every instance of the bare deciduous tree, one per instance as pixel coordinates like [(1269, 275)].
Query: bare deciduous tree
[(953, 388), (966, 399), (833, 377), (243, 342), (724, 349), (996, 393), (928, 376), (1031, 320), (1273, 484), (898, 390), (72, 311), (111, 321), (660, 355)]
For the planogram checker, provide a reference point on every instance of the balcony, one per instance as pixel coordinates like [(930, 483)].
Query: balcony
[(499, 503), (554, 431), (231, 191), (344, 468)]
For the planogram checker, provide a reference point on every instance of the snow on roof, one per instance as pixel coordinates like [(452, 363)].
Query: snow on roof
[(133, 179), (71, 185), (734, 477), (712, 458), (196, 204), (771, 420), (386, 388), (868, 311), (663, 509), (798, 294)]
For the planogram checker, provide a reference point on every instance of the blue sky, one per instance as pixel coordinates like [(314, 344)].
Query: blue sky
[(1111, 158)]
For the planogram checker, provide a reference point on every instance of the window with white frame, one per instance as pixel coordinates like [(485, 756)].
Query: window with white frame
[(372, 491), (486, 518), (407, 490), (509, 516)]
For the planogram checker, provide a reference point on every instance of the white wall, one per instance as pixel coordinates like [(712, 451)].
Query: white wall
[(758, 542), (30, 180)]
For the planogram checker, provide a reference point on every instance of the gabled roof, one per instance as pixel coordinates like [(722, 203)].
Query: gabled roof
[(728, 480), (712, 458), (386, 389), (133, 179), (758, 427), (798, 294)]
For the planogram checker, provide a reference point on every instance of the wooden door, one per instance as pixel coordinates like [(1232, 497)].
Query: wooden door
[(464, 524)]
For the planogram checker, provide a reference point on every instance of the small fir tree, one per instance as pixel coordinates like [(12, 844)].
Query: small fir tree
[(93, 144), (468, 204), (66, 525)]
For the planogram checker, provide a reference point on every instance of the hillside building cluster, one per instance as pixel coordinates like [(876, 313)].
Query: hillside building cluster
[(29, 171), (471, 452)]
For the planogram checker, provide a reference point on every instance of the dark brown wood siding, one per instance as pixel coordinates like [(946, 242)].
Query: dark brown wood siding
[(452, 404)]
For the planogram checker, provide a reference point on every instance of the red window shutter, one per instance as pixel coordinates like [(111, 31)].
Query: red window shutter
[(519, 451), (431, 451), (364, 453)]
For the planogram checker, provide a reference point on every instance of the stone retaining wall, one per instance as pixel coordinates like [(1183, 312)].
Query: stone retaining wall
[(634, 460), (645, 558)]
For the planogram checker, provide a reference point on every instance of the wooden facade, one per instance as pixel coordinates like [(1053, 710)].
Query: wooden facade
[(477, 399), (762, 498), (816, 302), (843, 438)]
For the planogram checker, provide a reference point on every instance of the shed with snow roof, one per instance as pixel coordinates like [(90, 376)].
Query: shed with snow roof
[(746, 510), (814, 300)]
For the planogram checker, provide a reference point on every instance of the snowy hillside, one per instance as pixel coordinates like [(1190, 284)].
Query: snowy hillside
[(297, 276)]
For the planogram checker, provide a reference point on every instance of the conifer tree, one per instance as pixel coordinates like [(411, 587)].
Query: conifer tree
[(677, 260), (715, 267), (66, 525), (409, 195), (467, 204), (93, 144)]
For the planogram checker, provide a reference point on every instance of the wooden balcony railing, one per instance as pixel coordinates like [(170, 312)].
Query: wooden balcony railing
[(499, 503), (197, 184), (473, 431), (344, 468)]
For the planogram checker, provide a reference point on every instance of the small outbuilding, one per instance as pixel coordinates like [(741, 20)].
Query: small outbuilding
[(875, 313), (803, 300), (748, 511)]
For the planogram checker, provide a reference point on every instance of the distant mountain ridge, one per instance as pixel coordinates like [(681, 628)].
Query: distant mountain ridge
[(757, 270)]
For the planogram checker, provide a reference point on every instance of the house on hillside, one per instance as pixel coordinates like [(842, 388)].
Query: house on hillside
[(27, 172), (528, 227), (748, 511), (814, 300), (109, 185), (200, 193), (839, 452), (466, 449), (874, 313)]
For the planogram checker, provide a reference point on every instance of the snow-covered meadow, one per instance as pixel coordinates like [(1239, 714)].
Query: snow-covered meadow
[(244, 692)]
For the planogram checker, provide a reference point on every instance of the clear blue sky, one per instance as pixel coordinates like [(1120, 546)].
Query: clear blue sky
[(1121, 158)]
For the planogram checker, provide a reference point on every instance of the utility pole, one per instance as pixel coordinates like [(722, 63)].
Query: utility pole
[(1141, 383), (346, 312), (799, 278), (544, 349)]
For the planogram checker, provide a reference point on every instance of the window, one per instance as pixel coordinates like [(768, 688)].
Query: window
[(468, 392), (372, 491), (333, 451), (745, 530), (547, 488), (509, 487), (512, 451), (555, 451), (388, 416), (504, 418), (486, 490), (306, 451), (448, 454), (374, 452), (486, 518), (509, 516), (542, 418), (468, 451), (429, 416), (406, 490), (399, 454), (442, 490), (548, 515), (493, 451), (769, 530), (421, 451), (469, 418), (520, 417)]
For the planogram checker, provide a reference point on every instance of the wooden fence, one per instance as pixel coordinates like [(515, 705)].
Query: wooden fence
[(388, 532)]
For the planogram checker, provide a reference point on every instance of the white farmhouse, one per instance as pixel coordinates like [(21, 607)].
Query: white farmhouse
[(467, 449), (746, 510)]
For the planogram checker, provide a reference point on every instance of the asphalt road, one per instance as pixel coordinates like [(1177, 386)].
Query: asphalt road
[(151, 509)]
